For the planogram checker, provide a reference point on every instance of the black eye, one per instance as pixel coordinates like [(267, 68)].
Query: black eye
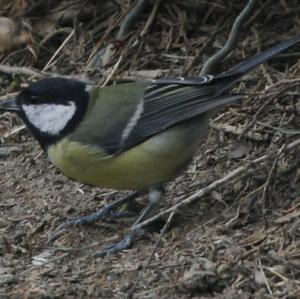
[(33, 100)]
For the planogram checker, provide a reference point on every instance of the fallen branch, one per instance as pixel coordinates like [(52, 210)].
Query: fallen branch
[(34, 73), (21, 70), (234, 130)]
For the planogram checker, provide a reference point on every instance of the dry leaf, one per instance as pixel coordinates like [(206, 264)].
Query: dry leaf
[(257, 237), (12, 35)]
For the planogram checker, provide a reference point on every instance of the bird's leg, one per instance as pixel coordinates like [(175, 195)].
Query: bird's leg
[(154, 198), (103, 213)]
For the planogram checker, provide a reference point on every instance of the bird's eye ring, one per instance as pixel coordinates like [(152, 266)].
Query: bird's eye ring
[(33, 100)]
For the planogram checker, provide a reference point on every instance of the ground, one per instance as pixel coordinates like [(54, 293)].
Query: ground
[(240, 240)]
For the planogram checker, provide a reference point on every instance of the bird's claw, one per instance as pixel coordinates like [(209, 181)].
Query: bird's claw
[(104, 213), (124, 244)]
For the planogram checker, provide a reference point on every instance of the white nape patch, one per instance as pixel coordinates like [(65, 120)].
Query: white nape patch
[(133, 120), (89, 87), (50, 118)]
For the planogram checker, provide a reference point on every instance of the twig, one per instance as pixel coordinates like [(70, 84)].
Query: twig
[(125, 29), (30, 72), (232, 221), (129, 20), (259, 110), (22, 70), (14, 131), (286, 82), (163, 231), (113, 70), (238, 131), (151, 18), (268, 180), (264, 277), (278, 129), (147, 263), (215, 184), (34, 73), (96, 54), (231, 41), (260, 8), (199, 54), (271, 173), (286, 85), (276, 273), (59, 49)]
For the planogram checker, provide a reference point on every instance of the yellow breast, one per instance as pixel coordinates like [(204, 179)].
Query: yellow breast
[(151, 163)]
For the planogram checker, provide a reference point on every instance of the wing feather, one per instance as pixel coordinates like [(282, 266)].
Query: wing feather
[(125, 115), (165, 106)]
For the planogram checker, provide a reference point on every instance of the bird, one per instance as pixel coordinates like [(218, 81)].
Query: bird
[(129, 136)]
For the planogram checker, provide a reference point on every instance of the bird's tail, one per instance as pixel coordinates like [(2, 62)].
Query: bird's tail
[(234, 74), (245, 66)]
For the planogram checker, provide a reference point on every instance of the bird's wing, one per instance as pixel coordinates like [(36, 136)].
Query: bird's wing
[(169, 101), (126, 115)]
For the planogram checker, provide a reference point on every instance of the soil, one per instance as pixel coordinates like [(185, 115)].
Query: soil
[(241, 240)]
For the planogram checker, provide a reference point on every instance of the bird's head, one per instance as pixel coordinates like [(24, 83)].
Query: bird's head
[(51, 108)]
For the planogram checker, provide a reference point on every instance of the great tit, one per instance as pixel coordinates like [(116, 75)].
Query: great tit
[(134, 136)]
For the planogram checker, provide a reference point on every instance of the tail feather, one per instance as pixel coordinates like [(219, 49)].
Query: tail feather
[(249, 64)]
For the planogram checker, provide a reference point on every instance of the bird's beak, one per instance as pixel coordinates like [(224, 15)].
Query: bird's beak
[(9, 105)]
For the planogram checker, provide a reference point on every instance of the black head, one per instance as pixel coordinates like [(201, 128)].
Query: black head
[(51, 108)]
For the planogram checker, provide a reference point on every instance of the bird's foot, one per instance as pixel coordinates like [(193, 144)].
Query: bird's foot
[(124, 244), (105, 213)]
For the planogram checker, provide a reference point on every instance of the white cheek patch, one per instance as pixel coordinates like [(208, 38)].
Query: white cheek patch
[(50, 118)]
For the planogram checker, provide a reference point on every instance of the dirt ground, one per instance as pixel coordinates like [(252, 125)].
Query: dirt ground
[(242, 240)]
